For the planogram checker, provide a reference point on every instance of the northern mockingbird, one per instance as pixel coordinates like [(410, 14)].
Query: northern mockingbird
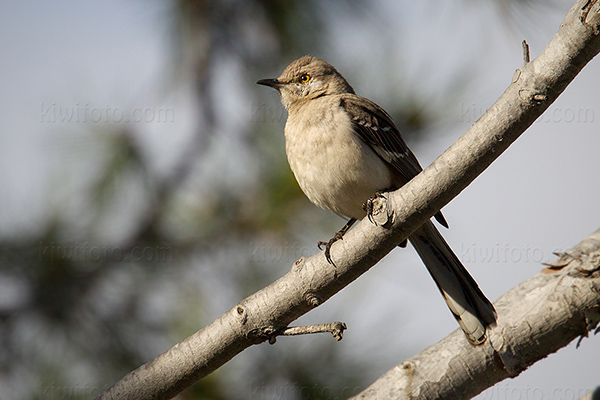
[(343, 149)]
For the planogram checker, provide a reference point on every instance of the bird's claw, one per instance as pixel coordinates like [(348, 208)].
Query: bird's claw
[(335, 238), (368, 206), (328, 245)]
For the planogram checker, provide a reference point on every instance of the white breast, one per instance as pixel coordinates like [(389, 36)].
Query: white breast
[(335, 169)]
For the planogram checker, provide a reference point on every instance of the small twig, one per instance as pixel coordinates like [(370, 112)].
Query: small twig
[(336, 329), (526, 58)]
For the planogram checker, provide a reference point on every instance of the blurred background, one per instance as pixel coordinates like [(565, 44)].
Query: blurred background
[(144, 188)]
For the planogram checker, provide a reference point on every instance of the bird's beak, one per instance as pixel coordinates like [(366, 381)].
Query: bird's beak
[(274, 83)]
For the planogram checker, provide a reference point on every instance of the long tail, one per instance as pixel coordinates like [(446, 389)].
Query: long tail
[(473, 311)]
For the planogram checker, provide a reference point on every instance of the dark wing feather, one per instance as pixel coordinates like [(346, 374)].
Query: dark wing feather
[(376, 128)]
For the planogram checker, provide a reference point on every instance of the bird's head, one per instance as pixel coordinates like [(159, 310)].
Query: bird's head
[(305, 79)]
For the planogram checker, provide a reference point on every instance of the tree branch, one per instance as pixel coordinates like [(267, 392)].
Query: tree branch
[(526, 58), (313, 280), (335, 328), (536, 318)]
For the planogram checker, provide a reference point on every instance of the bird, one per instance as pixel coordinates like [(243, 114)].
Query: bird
[(343, 149)]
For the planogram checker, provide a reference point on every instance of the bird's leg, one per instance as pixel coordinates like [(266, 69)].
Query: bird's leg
[(335, 238)]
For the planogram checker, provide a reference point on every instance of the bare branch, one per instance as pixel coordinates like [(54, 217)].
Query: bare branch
[(313, 280), (526, 58), (538, 317), (335, 328)]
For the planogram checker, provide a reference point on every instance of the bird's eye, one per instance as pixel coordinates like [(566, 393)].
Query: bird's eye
[(304, 78)]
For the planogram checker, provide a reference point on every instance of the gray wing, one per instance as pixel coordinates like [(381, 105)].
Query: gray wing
[(376, 128)]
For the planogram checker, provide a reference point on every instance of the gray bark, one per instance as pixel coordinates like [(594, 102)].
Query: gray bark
[(312, 281), (538, 317)]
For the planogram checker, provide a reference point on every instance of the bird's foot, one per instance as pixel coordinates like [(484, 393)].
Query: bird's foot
[(327, 245), (370, 204), (335, 238)]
